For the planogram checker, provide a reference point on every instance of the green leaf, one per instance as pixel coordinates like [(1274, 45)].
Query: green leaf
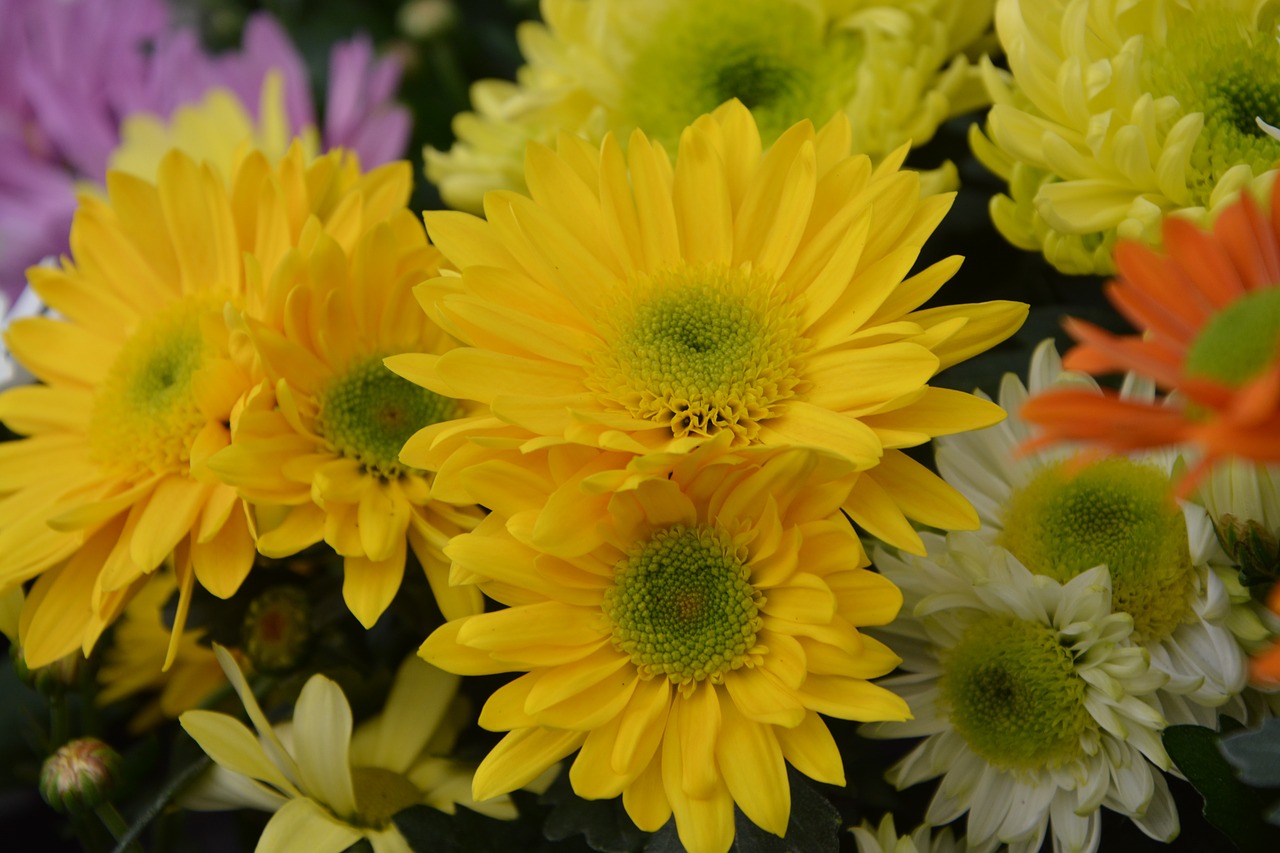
[(1256, 754), (814, 827), (604, 823), (429, 830), (1232, 807)]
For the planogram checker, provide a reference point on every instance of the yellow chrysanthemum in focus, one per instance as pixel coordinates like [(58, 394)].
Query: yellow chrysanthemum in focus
[(640, 307), (1121, 113), (615, 65), (326, 785), (134, 662), (316, 447), (140, 377), (684, 636), (217, 130)]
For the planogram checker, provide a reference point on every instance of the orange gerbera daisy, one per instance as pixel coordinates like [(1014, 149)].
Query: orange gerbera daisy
[(1209, 312)]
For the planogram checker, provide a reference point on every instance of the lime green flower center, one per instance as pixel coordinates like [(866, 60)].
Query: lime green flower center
[(1239, 342), (701, 350), (1117, 512), (369, 413), (682, 605), (1224, 66), (147, 415), (1011, 690), (381, 793), (780, 59)]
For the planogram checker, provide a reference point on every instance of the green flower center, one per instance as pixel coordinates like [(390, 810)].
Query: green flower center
[(682, 605), (700, 349), (146, 415), (1239, 342), (369, 413), (1011, 690), (780, 59), (381, 793), (1225, 66), (1117, 512)]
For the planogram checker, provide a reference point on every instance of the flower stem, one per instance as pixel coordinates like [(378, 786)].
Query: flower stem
[(112, 819)]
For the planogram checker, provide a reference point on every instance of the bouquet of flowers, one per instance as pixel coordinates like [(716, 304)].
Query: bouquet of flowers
[(640, 425)]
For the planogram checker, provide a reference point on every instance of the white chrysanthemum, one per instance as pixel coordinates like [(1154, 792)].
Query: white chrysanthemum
[(1037, 708), (1062, 510), (885, 839), (897, 69)]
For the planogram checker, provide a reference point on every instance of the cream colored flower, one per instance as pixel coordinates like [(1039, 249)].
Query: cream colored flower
[(328, 787), (1120, 112), (598, 65)]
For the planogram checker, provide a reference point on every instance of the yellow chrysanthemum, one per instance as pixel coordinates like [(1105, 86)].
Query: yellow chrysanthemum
[(616, 65), (316, 447), (634, 306), (140, 376), (684, 636), (1121, 112), (215, 130), (134, 662)]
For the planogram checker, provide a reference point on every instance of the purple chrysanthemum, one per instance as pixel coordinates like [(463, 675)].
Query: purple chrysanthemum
[(70, 72)]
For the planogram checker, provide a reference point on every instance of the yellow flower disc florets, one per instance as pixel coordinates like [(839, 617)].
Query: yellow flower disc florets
[(146, 416), (368, 413), (682, 605), (380, 794), (1218, 64), (1011, 690), (1116, 512), (702, 348)]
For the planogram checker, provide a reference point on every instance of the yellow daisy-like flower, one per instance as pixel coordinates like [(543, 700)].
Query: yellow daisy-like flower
[(616, 65), (316, 447), (134, 662), (140, 376), (640, 307), (1121, 112), (215, 130), (327, 785), (684, 636)]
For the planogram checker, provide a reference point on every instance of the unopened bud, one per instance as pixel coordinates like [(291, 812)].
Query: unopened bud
[(80, 775), (1253, 547), (276, 633), (422, 19)]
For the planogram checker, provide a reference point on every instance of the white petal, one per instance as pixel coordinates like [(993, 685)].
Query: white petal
[(321, 741)]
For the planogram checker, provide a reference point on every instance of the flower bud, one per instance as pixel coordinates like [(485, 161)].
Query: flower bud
[(1253, 547), (276, 634), (80, 775)]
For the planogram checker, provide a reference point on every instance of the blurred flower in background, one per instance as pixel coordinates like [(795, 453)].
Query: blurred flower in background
[(896, 69), (72, 73)]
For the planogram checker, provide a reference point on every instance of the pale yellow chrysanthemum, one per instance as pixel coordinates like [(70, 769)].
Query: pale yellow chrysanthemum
[(315, 448), (681, 623), (217, 130), (640, 306), (616, 65), (1120, 112), (140, 377), (327, 785), (134, 662)]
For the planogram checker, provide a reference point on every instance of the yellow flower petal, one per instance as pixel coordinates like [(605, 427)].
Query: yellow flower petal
[(520, 757)]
